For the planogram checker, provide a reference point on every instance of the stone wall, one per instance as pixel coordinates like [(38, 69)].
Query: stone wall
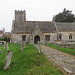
[(53, 37), (65, 35), (17, 38)]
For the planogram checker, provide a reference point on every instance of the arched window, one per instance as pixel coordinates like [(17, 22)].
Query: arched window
[(60, 36), (70, 36)]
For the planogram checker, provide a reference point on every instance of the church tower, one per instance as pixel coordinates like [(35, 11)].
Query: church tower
[(20, 15)]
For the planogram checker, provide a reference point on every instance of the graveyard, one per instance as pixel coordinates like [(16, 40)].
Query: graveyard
[(26, 62)]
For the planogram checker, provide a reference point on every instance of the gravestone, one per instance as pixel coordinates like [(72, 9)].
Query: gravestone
[(39, 63), (7, 49), (4, 45), (23, 43), (39, 48), (22, 46), (7, 60)]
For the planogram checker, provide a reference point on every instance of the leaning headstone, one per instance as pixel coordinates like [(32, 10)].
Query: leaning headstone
[(7, 49), (21, 48), (39, 48), (39, 63), (8, 60), (4, 45), (23, 43)]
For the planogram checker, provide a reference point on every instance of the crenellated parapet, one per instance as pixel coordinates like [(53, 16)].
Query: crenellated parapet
[(20, 15)]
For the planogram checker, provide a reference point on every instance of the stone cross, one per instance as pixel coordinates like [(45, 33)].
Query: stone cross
[(7, 60), (39, 49)]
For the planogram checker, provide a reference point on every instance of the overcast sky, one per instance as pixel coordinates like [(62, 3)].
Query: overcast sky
[(36, 10)]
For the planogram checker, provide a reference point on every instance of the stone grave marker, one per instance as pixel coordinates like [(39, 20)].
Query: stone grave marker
[(23, 43), (39, 49), (7, 60), (7, 49), (4, 45), (39, 63), (22, 46)]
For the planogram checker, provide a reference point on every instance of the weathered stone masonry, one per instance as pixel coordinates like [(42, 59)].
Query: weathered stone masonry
[(43, 31)]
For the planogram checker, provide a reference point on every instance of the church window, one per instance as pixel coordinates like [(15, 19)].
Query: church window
[(47, 37), (60, 36), (70, 36), (23, 37)]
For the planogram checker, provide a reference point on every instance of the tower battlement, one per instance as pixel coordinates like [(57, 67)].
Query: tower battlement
[(20, 15), (19, 11)]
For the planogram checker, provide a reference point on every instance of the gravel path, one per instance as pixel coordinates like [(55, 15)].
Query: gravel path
[(61, 59)]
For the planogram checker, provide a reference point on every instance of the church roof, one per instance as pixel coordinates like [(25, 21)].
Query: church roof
[(66, 27), (29, 26)]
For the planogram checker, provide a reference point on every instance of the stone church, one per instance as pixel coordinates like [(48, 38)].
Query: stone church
[(44, 31)]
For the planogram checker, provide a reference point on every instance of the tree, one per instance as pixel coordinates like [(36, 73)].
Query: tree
[(65, 16)]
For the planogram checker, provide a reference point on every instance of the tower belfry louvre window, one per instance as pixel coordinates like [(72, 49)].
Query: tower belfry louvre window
[(47, 37), (23, 37)]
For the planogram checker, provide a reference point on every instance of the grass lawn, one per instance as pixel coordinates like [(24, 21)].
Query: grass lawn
[(67, 50), (25, 63)]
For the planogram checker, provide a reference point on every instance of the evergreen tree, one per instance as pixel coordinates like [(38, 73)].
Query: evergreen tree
[(65, 16)]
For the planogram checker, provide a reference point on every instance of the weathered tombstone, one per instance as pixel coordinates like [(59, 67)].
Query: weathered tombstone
[(4, 45), (23, 43), (39, 63), (7, 60), (39, 49), (21, 48), (7, 48)]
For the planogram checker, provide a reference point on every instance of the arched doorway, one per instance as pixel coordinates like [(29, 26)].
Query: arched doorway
[(36, 39)]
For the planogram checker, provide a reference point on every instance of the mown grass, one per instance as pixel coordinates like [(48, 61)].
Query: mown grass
[(67, 50), (25, 63)]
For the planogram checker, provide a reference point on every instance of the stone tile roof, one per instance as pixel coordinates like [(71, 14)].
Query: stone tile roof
[(1, 31), (66, 27), (29, 26)]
